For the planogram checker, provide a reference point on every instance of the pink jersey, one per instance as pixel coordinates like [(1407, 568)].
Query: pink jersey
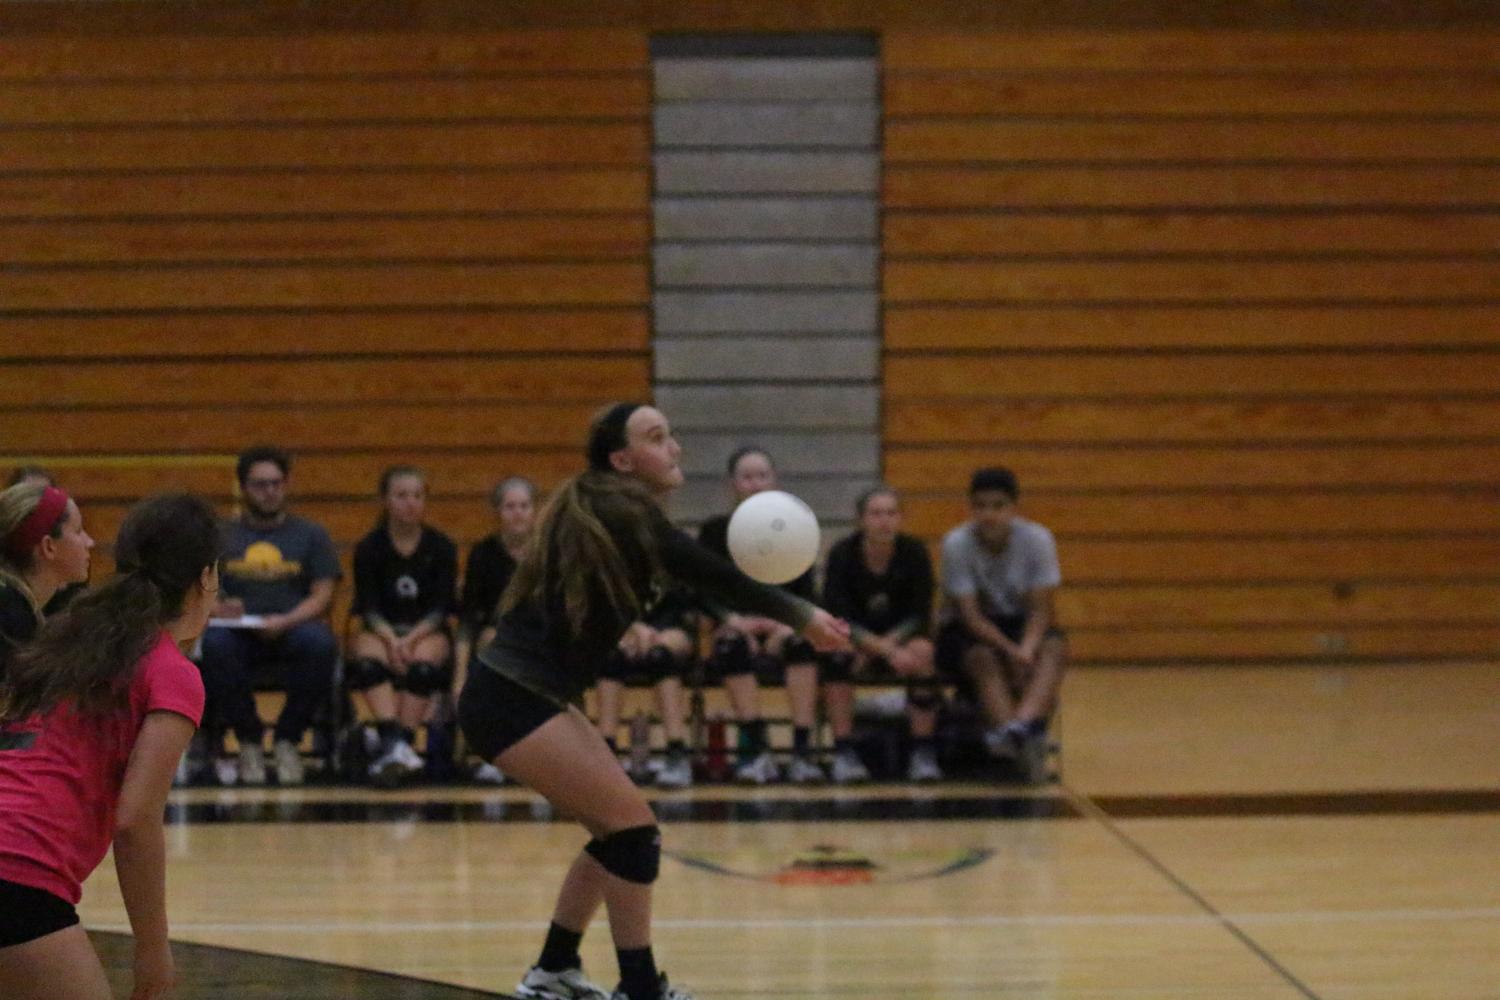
[(60, 776)]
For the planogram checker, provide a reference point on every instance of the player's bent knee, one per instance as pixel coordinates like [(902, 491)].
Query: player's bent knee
[(424, 678), (364, 672), (633, 854)]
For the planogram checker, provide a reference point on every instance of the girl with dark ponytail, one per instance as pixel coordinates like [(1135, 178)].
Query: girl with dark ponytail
[(94, 715), (603, 557)]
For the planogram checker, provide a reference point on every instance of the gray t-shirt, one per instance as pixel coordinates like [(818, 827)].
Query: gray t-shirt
[(1001, 579), (272, 569)]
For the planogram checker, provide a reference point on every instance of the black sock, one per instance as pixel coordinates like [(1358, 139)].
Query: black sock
[(676, 748), (560, 952), (844, 744), (801, 740), (638, 976), (408, 734), (755, 736), (924, 743), (390, 732)]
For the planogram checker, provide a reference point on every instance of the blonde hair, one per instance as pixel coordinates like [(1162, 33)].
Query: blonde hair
[(16, 505)]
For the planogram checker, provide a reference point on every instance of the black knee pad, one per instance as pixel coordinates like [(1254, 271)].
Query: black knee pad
[(924, 693), (836, 668), (633, 855), (658, 664), (797, 650), (731, 656), (363, 673), (423, 678)]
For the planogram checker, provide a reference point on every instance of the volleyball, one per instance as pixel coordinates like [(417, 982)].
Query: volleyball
[(773, 537)]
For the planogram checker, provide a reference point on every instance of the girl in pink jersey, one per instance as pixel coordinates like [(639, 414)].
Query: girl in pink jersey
[(94, 716)]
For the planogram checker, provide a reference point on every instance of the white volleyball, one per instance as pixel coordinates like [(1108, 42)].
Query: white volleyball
[(773, 537)]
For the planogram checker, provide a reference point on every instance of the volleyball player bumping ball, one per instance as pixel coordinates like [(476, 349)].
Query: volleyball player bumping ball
[(604, 554)]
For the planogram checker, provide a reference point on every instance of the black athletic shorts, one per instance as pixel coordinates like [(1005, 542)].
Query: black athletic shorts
[(496, 713), (27, 914)]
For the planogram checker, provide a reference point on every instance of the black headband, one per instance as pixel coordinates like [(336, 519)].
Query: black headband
[(608, 435)]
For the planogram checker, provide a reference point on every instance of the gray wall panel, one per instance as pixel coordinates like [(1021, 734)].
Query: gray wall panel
[(741, 124), (769, 173), (853, 453), (759, 359), (765, 312), (748, 408), (762, 264), (766, 79), (709, 218)]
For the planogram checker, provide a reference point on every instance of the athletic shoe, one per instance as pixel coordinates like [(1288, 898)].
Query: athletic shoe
[(848, 769), (289, 770), (488, 774), (569, 984), (676, 772), (760, 771), (226, 771), (923, 766), (805, 772), (667, 992), (252, 765), (389, 770), (410, 759), (1001, 743)]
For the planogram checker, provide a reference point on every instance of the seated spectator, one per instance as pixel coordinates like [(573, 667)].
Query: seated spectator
[(492, 562), (37, 475), (405, 573), (657, 650), (746, 646), (282, 569), (880, 581), (43, 549), (1000, 572)]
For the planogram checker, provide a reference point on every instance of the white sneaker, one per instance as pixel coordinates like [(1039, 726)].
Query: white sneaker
[(569, 984), (667, 992), (408, 756), (848, 769), (1001, 743), (676, 772), (488, 774), (760, 771), (389, 770), (226, 771), (804, 771), (923, 766), (289, 770), (252, 765)]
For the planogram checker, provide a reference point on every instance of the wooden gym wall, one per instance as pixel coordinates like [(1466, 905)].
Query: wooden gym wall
[(1229, 304), (1225, 295), (407, 246)]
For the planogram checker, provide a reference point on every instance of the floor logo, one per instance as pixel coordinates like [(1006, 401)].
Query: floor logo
[(831, 864)]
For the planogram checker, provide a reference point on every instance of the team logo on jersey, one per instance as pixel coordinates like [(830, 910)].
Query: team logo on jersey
[(263, 561), (831, 864), (406, 587)]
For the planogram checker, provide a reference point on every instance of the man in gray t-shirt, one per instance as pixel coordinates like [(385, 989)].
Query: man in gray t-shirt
[(999, 575)]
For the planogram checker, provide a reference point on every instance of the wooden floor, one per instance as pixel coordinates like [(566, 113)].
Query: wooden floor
[(1220, 834)]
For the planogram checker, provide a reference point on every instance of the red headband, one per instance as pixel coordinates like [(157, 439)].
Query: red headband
[(38, 524)]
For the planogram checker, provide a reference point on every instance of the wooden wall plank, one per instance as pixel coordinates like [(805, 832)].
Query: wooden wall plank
[(1363, 560), (1261, 642), (177, 430), (946, 469), (1306, 514), (332, 146), (299, 333), (463, 237), (992, 234), (1135, 327), (1204, 185), (1209, 421), (401, 380), (1383, 604), (1250, 374), (340, 53), (1190, 51), (548, 96), (1310, 93), (227, 286), (1005, 141), (1249, 281), (561, 190)]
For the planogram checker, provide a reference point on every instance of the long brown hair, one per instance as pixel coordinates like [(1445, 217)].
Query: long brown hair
[(576, 557), (87, 654)]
